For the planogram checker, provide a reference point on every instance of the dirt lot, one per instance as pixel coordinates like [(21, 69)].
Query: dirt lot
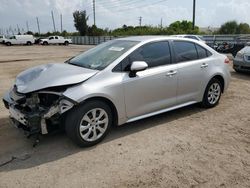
[(190, 147)]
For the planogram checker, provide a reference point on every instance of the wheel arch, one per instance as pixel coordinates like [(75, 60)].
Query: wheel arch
[(221, 80), (108, 102)]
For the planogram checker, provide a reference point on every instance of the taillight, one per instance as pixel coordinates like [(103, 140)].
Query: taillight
[(227, 61)]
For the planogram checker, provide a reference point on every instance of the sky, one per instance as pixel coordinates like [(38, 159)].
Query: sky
[(115, 13)]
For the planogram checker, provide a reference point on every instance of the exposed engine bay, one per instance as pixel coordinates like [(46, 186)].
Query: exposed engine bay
[(37, 112)]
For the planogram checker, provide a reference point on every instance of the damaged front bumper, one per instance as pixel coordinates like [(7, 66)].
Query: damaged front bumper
[(35, 118)]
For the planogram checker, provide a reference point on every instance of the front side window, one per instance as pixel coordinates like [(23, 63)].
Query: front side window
[(51, 38), (102, 55), (56, 37), (185, 51), (154, 54)]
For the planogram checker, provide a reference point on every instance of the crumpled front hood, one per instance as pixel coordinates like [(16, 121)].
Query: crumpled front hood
[(51, 75)]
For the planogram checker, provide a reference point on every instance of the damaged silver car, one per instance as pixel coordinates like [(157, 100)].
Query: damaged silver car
[(119, 81)]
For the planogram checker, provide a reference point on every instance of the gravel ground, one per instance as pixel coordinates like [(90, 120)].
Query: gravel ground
[(189, 147)]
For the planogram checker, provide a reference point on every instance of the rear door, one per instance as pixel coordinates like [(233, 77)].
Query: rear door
[(155, 88), (192, 68)]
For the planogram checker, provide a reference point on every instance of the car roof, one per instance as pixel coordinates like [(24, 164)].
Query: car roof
[(153, 38)]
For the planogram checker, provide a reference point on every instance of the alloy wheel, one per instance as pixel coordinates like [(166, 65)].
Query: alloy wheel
[(214, 93), (93, 124)]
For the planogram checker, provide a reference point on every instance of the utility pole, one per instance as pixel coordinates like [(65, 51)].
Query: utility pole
[(52, 15), (94, 10), (61, 23), (140, 20), (27, 25), (161, 23), (194, 4), (38, 27)]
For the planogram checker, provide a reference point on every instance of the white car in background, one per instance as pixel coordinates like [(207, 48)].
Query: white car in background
[(55, 40), (195, 37), (20, 39), (2, 39)]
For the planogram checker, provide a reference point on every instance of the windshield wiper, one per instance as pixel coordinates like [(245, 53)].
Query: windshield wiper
[(83, 66)]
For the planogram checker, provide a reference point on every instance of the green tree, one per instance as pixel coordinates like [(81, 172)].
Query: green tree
[(230, 27), (182, 27), (80, 20), (243, 28), (95, 31)]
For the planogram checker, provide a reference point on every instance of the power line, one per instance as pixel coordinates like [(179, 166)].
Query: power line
[(134, 7)]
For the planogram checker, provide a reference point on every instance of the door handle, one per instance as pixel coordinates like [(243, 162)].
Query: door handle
[(171, 73), (204, 65)]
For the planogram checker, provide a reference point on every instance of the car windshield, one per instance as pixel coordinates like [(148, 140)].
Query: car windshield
[(102, 55)]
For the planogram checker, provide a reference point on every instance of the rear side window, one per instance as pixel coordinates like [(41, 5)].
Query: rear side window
[(202, 52), (154, 54), (185, 51)]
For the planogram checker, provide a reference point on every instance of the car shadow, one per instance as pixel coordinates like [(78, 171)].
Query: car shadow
[(57, 146), (241, 75)]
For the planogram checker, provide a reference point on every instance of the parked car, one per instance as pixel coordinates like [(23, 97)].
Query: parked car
[(2, 39), (55, 40), (229, 48), (117, 82), (38, 40), (241, 62), (20, 39), (194, 37)]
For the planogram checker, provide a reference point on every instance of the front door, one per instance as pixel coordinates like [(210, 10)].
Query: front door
[(155, 88)]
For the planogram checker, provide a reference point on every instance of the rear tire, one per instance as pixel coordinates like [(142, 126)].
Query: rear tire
[(66, 43), (88, 124), (8, 44), (212, 93)]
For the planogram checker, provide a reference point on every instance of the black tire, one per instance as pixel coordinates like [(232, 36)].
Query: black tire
[(66, 43), (45, 43), (75, 116), (8, 44), (29, 43), (205, 102)]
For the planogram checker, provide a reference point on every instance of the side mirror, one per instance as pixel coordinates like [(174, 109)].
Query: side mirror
[(137, 66)]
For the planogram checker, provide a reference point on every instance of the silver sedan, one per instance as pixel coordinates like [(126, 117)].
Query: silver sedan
[(117, 82), (241, 61)]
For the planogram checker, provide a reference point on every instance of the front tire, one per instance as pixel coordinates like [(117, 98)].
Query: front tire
[(8, 44), (212, 93), (88, 124), (66, 43)]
